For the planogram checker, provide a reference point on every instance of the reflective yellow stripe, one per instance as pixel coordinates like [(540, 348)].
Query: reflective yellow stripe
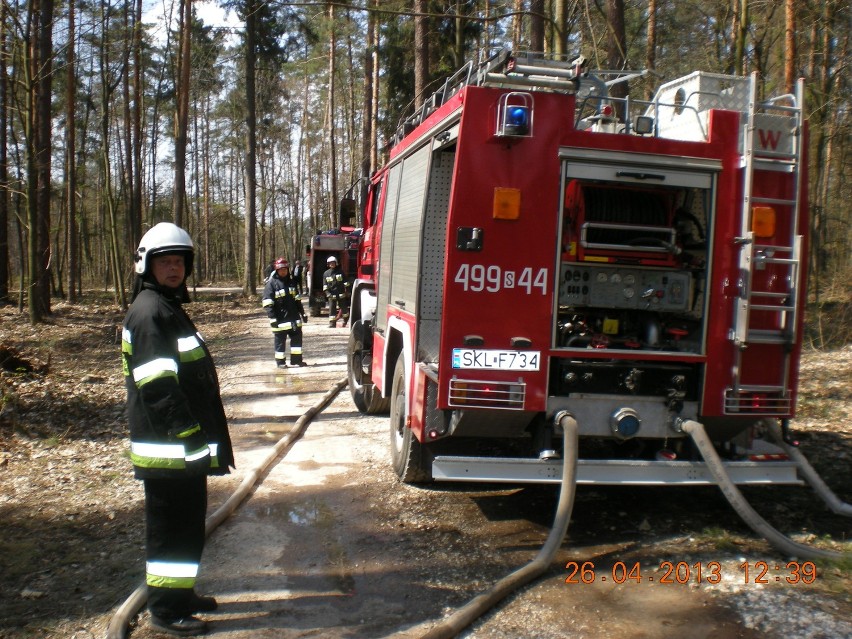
[(190, 348), (155, 369), (201, 453), (126, 342), (146, 455), (171, 574), (167, 456), (189, 431)]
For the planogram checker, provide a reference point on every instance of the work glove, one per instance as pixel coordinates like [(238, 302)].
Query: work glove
[(196, 451), (304, 318)]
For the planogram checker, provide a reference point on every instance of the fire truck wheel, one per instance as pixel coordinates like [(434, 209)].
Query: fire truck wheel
[(411, 459), (367, 399)]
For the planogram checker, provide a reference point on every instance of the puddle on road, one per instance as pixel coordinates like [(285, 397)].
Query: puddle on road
[(287, 379), (304, 515), (280, 426), (312, 512), (314, 552)]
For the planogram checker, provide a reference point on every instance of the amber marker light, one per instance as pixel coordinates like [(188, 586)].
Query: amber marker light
[(507, 203), (763, 221)]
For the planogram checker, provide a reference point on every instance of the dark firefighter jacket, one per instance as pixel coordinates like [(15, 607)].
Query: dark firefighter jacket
[(282, 304), (172, 387), (334, 284)]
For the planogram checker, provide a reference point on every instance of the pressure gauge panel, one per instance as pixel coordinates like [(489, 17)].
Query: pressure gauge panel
[(619, 287)]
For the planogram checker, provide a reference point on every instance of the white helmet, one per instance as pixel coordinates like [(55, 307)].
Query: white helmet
[(331, 259), (164, 237)]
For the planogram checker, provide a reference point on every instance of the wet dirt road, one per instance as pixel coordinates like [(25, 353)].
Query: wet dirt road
[(330, 544)]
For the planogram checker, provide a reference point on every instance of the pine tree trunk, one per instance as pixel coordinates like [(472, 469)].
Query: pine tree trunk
[(182, 115), (70, 159), (330, 121), (536, 25), (249, 280), (790, 46), (421, 53)]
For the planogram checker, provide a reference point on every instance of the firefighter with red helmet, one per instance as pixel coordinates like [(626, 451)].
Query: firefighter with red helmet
[(286, 313), (336, 289), (178, 429)]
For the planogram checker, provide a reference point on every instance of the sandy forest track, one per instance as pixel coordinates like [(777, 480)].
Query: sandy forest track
[(332, 545)]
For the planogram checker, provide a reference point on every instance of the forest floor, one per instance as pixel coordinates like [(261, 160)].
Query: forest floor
[(72, 531)]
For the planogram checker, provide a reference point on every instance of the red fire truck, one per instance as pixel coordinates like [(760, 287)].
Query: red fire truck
[(535, 245)]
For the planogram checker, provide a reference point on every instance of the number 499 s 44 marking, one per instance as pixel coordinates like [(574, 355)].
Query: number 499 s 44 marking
[(478, 278)]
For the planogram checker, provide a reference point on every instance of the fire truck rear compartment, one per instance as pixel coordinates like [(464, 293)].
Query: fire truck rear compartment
[(632, 279), (633, 258)]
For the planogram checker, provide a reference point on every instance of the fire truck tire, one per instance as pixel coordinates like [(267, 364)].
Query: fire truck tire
[(367, 399), (411, 459)]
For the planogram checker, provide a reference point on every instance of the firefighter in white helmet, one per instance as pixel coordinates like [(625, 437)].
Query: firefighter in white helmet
[(178, 430), (336, 289), (286, 313)]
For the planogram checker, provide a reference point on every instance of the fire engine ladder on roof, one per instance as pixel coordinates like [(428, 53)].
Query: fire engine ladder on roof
[(754, 256), (520, 71), (506, 69)]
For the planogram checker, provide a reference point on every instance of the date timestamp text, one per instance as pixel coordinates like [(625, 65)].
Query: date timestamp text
[(683, 572)]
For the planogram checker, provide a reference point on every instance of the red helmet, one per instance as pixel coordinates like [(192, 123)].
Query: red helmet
[(281, 263)]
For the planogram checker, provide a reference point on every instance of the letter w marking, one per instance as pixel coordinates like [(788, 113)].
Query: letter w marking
[(769, 139)]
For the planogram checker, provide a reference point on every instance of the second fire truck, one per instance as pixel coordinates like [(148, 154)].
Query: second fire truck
[(534, 246), (342, 245)]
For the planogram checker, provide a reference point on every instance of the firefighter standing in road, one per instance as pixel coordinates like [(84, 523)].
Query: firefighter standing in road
[(286, 314), (298, 275), (178, 430), (336, 289)]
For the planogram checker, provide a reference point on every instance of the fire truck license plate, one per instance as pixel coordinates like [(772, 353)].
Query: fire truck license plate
[(471, 358)]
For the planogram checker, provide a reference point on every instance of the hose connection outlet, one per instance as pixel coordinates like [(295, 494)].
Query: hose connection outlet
[(625, 423)]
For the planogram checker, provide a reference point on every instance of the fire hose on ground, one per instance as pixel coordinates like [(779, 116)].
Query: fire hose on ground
[(467, 614), (735, 498), (120, 621), (479, 605), (810, 475)]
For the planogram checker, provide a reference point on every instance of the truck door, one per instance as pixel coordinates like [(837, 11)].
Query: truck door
[(400, 243)]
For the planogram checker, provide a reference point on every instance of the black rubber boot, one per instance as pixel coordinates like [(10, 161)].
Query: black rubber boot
[(202, 603), (188, 626)]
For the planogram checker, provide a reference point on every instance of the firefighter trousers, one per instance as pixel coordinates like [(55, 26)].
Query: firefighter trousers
[(175, 510), (338, 307), (295, 335)]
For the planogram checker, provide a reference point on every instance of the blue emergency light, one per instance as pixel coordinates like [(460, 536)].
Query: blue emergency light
[(517, 120), (515, 115)]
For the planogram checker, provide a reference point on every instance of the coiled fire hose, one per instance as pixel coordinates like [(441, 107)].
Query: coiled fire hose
[(119, 622), (735, 498), (479, 605)]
